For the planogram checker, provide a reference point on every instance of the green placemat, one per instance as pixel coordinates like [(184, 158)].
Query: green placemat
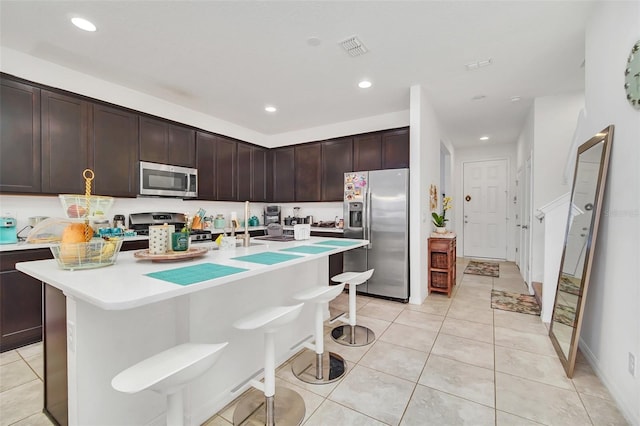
[(338, 243), (267, 258), (195, 274), (308, 249)]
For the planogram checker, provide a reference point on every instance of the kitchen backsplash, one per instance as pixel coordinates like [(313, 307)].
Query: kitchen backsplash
[(22, 207)]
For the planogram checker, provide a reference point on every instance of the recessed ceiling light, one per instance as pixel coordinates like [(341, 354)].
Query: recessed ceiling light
[(83, 24), (484, 138), (472, 66), (515, 98), (270, 108), (478, 97), (314, 41), (364, 84)]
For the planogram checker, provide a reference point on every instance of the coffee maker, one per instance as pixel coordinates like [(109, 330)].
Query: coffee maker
[(8, 234), (271, 215)]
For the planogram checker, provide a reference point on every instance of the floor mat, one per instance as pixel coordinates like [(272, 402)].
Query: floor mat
[(514, 302), (487, 269), (570, 285), (565, 315)]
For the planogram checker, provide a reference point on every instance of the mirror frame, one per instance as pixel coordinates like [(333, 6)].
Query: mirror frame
[(606, 136)]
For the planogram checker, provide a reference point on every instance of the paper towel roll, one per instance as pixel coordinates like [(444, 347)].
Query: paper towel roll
[(159, 239)]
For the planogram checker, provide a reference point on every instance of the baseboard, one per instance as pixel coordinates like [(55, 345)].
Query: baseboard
[(627, 411)]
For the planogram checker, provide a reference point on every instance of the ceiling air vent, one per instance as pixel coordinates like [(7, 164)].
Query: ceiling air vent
[(353, 46)]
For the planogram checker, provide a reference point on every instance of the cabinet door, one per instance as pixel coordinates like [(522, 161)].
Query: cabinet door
[(20, 310), (395, 149), (226, 163), (154, 136), (308, 173), (337, 159), (114, 151), (367, 152), (19, 137), (244, 171), (65, 136), (259, 159), (181, 146), (205, 162), (283, 174)]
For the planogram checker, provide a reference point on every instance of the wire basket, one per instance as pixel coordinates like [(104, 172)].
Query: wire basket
[(95, 254), (78, 206)]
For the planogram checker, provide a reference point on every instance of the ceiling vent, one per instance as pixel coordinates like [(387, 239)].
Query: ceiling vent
[(353, 46)]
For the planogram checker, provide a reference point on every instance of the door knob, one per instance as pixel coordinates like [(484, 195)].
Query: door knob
[(525, 227)]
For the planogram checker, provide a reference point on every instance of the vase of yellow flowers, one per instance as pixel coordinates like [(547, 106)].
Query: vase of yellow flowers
[(439, 221)]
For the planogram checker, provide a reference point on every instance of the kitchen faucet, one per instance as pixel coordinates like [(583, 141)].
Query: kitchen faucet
[(245, 237)]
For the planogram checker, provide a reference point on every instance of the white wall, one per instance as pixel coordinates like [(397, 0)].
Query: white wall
[(424, 163), (611, 322), (481, 153), (554, 126), (44, 72)]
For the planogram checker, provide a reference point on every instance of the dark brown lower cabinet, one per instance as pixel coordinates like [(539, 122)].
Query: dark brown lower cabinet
[(20, 300), (55, 355)]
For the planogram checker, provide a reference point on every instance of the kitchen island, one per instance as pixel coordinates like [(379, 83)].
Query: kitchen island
[(119, 315)]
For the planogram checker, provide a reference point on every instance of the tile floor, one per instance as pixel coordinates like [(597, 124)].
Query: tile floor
[(446, 362)]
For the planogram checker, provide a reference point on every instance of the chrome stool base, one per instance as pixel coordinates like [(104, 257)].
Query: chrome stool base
[(288, 408), (305, 367), (350, 335)]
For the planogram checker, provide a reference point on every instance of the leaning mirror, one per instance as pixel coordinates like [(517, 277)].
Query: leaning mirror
[(580, 239)]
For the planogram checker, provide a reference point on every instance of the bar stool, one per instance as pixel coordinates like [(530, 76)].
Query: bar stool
[(352, 334), (168, 372), (289, 407), (318, 367)]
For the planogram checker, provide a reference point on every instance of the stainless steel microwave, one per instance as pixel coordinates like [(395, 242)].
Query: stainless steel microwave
[(168, 181)]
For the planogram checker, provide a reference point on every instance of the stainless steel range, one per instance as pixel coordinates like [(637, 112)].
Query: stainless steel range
[(140, 223)]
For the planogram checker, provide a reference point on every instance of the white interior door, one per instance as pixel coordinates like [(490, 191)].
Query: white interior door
[(525, 223), (518, 210), (485, 209)]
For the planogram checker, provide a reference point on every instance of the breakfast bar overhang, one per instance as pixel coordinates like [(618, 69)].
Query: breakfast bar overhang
[(119, 315)]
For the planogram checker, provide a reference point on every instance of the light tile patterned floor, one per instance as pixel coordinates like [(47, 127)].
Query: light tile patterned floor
[(445, 362)]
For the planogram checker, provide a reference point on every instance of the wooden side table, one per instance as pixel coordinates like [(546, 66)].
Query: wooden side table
[(442, 263)]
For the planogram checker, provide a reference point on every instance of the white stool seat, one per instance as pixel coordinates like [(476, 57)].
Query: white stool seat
[(169, 369), (316, 366), (319, 294), (262, 407), (270, 318), (355, 278), (168, 372), (352, 334)]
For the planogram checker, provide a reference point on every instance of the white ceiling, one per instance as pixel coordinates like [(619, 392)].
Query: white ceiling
[(230, 59)]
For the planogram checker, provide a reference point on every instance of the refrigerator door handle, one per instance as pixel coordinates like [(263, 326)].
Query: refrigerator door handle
[(368, 218)]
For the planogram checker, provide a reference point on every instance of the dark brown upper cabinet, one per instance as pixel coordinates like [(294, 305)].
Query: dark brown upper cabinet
[(19, 137), (226, 169), (308, 172), (205, 162), (113, 151), (65, 136), (252, 173), (166, 143), (367, 152), (337, 159), (283, 168), (395, 149)]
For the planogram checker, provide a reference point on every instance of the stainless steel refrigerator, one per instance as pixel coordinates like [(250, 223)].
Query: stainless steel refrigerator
[(376, 208)]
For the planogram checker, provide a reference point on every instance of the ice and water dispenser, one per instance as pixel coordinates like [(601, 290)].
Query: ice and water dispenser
[(354, 215)]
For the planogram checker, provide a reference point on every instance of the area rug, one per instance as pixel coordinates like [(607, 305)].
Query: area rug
[(565, 315), (487, 269), (569, 285), (514, 302)]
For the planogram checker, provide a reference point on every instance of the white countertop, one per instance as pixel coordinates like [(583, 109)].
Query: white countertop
[(125, 286)]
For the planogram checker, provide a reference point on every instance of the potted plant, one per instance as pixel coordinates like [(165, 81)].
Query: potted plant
[(439, 221)]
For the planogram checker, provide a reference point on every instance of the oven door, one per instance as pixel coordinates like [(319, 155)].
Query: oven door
[(168, 181)]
